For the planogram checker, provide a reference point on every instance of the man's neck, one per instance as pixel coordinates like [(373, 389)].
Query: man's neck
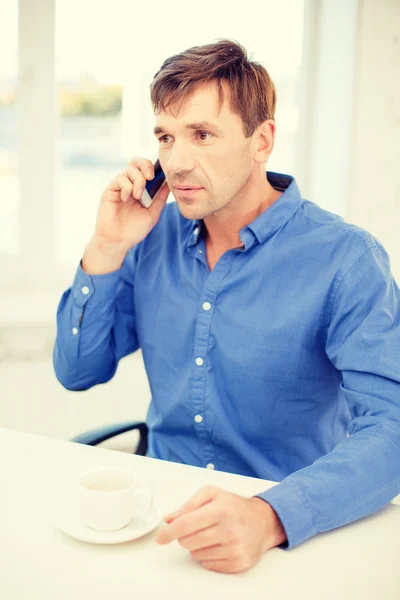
[(223, 228)]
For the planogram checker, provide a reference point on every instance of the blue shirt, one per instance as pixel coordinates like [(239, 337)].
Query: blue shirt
[(281, 363)]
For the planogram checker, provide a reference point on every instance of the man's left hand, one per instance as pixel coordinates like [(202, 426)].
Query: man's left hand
[(224, 531)]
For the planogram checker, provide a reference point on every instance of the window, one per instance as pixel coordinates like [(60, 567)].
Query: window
[(82, 80), (103, 81)]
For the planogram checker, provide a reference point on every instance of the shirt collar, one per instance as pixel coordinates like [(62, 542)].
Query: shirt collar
[(279, 213), (272, 219)]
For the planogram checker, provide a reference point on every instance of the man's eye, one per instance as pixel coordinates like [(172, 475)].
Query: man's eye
[(164, 139), (203, 135)]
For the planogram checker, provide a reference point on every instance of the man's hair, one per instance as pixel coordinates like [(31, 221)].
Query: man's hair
[(253, 94)]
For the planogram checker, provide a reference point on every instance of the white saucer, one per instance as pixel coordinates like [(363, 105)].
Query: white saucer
[(72, 526)]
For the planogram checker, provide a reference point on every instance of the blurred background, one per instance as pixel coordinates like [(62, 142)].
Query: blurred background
[(74, 108)]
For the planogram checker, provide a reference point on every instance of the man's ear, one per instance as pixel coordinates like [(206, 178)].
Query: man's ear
[(264, 137)]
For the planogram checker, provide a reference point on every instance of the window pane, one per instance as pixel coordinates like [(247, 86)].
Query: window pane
[(104, 77), (9, 186)]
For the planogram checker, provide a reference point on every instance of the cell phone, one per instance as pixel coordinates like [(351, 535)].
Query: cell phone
[(153, 186)]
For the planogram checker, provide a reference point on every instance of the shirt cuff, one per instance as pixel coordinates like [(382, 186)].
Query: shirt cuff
[(84, 286), (295, 513)]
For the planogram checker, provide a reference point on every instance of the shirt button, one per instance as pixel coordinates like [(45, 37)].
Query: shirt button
[(199, 361), (198, 419), (196, 231), (85, 290), (206, 306), (210, 466), (200, 251), (75, 331)]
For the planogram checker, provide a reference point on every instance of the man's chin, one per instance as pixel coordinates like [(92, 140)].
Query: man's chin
[(191, 212)]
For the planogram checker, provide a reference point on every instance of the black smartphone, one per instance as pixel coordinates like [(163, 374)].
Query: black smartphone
[(153, 186)]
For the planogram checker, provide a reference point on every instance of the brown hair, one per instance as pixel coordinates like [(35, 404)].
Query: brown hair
[(253, 94)]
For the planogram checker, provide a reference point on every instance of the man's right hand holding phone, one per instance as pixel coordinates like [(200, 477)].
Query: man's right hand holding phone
[(122, 221)]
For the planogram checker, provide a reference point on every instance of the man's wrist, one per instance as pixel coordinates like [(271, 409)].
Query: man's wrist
[(100, 258), (275, 532)]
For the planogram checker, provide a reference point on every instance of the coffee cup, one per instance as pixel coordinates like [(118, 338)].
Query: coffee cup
[(109, 498)]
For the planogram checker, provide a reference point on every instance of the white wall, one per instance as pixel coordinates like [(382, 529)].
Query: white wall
[(33, 400), (374, 182), (326, 98), (348, 142)]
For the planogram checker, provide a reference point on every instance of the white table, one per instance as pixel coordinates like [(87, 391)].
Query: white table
[(39, 562)]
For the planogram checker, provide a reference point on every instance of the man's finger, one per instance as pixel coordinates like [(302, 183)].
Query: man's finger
[(144, 164), (169, 518), (137, 178), (216, 552), (203, 496), (201, 540), (120, 182), (190, 524)]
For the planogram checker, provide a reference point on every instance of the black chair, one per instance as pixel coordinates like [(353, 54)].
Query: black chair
[(101, 434)]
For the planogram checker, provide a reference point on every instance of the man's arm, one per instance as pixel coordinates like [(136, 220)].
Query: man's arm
[(95, 318), (361, 474), (228, 533), (95, 326)]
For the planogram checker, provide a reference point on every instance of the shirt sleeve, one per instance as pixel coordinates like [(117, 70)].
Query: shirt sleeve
[(362, 473), (95, 326)]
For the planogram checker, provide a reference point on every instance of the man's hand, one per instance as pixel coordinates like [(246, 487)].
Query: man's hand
[(224, 531), (122, 221)]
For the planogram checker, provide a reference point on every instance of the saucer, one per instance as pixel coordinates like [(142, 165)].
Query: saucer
[(72, 526)]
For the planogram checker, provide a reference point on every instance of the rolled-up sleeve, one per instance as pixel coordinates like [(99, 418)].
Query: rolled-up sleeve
[(362, 473)]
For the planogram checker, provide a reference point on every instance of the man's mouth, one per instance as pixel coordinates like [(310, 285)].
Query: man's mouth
[(186, 191), (187, 187)]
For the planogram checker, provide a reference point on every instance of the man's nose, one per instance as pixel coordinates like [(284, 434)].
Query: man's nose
[(179, 160)]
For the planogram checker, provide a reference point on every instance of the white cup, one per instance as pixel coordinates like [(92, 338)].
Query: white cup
[(109, 498)]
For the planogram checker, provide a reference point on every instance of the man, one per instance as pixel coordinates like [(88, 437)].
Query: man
[(270, 329)]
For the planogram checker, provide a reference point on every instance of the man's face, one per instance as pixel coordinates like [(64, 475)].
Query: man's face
[(204, 148)]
